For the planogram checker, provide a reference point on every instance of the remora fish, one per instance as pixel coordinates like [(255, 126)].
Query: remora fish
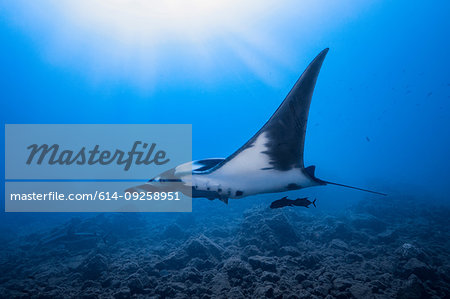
[(271, 161), (285, 202)]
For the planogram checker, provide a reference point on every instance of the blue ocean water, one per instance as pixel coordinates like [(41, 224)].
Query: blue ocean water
[(379, 119)]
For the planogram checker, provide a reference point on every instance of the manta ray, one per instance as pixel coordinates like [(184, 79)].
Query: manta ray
[(270, 162)]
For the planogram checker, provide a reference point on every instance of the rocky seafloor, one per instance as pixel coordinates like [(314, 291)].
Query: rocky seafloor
[(396, 250)]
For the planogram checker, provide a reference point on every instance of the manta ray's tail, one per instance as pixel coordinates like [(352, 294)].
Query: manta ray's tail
[(311, 169), (352, 187)]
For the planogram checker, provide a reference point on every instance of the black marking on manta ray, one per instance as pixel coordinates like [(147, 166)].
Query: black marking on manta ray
[(267, 168), (293, 186), (294, 113)]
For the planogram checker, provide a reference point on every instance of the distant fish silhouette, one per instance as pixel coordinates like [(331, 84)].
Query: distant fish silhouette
[(285, 202)]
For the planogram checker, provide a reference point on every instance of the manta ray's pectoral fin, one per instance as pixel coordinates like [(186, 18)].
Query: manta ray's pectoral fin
[(279, 145)]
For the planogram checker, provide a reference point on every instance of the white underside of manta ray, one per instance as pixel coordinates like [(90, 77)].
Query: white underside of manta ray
[(271, 161)]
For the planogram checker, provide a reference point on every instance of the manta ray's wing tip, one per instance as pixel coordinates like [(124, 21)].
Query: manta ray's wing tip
[(322, 54)]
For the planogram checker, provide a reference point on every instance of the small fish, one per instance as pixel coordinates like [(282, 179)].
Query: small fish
[(285, 202)]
